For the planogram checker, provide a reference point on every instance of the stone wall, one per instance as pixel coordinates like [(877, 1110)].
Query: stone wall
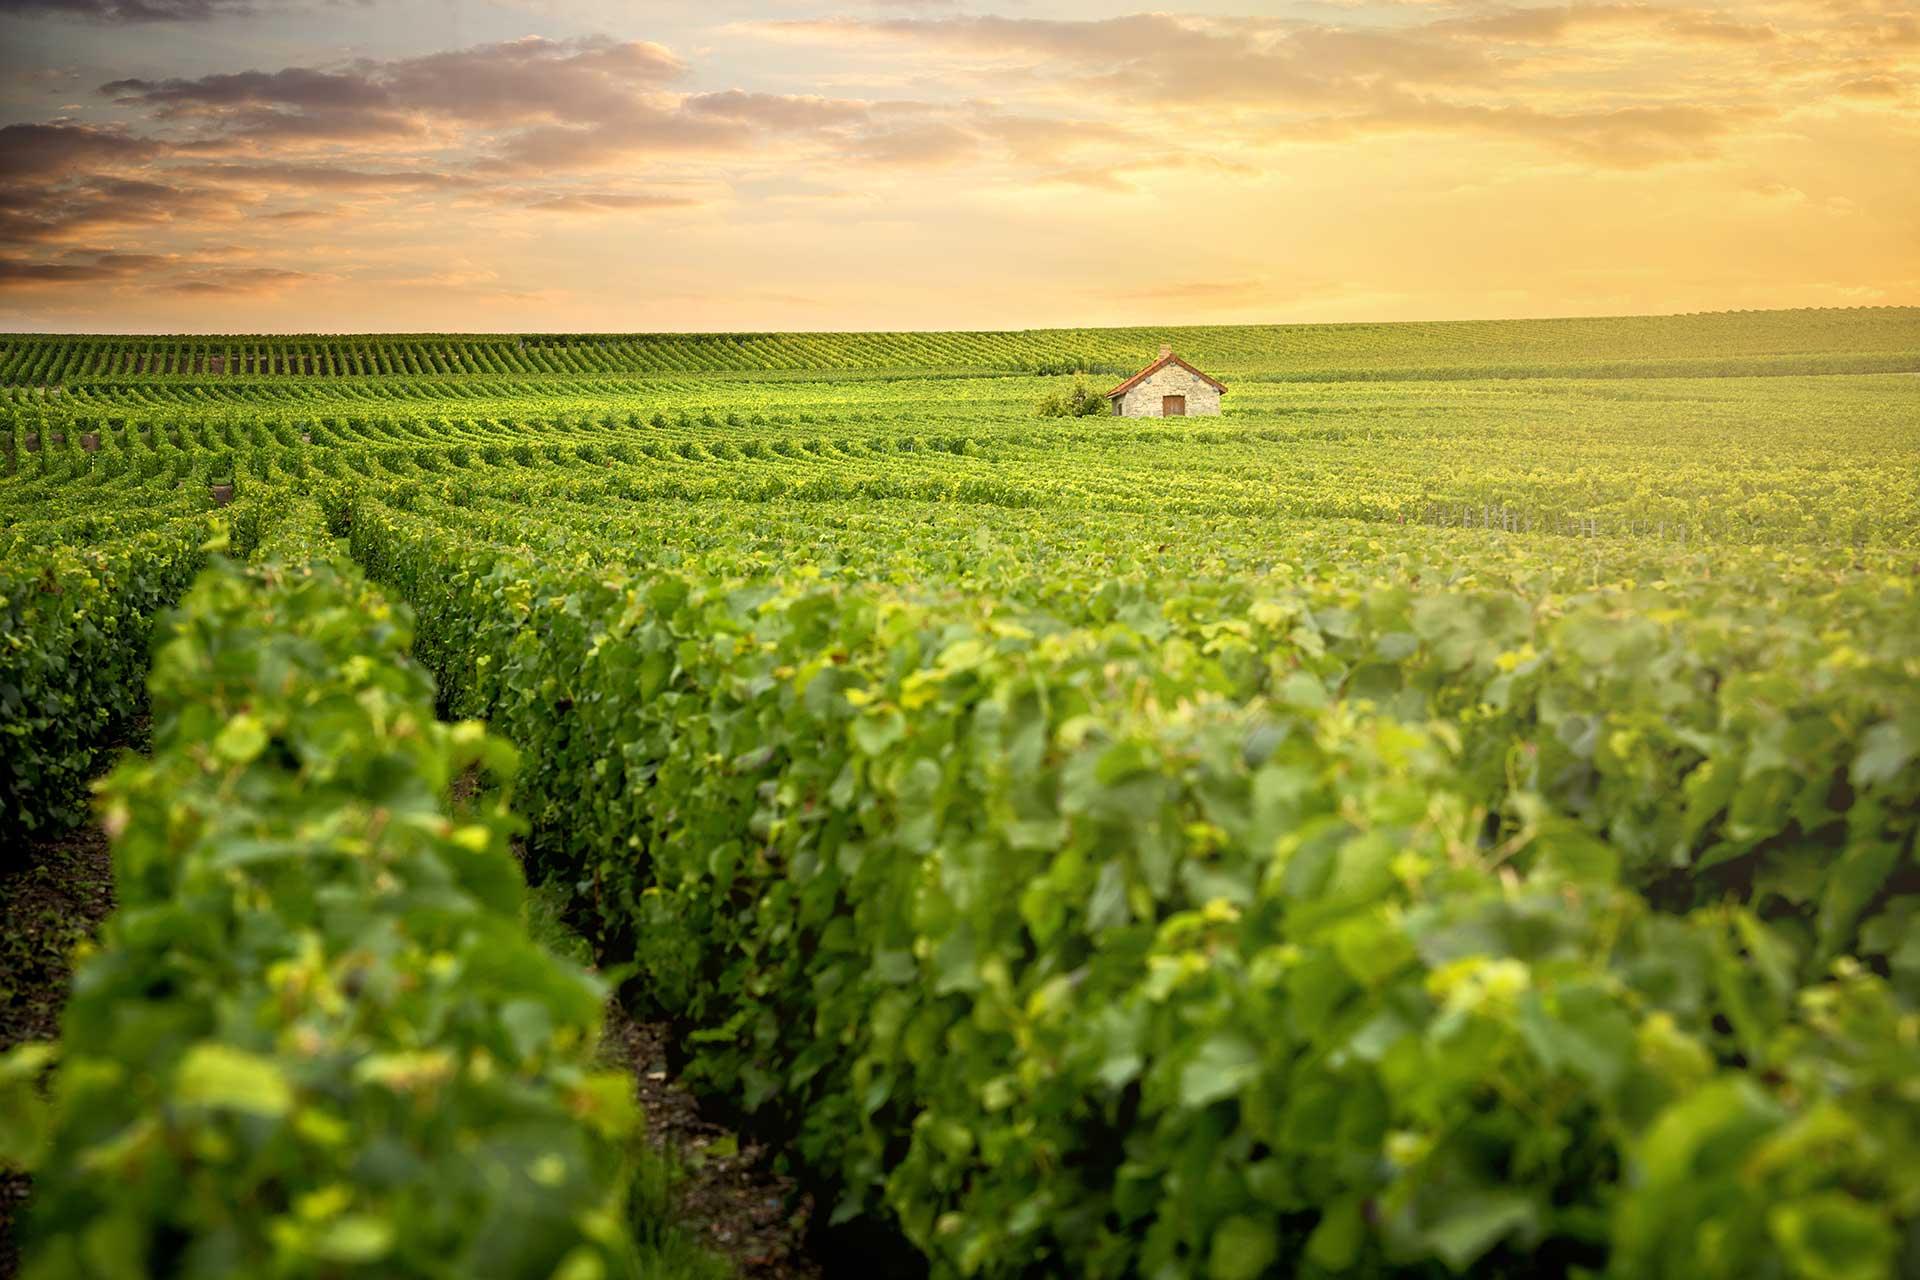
[(1144, 400)]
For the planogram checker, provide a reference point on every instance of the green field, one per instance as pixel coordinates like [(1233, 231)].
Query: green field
[(1854, 340), (1455, 812)]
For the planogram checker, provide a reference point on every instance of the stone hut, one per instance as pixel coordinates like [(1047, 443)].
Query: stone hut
[(1168, 388)]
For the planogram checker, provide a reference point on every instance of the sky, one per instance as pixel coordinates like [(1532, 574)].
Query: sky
[(636, 165)]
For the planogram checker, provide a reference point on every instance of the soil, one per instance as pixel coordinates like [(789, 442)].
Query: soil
[(55, 895), (727, 1194), (730, 1197)]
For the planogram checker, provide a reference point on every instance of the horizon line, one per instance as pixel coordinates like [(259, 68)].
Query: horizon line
[(1106, 328)]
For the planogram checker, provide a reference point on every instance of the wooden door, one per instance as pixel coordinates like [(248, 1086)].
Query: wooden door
[(1173, 406)]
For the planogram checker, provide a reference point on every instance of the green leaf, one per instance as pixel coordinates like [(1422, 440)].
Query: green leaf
[(1302, 689), (1123, 760), (218, 1075), (355, 1238), (878, 730), (1242, 1248), (1708, 1133), (1107, 904), (1885, 751), (1336, 1239), (528, 1024), (26, 1115), (1588, 1035), (1224, 1064), (894, 967), (954, 963), (1473, 1224), (243, 739), (1832, 1236)]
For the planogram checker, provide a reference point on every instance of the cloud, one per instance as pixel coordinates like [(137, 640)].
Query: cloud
[(777, 112), (425, 106), (118, 11), (920, 115), (608, 202), (1162, 58), (389, 134), (1623, 137), (515, 83), (80, 267), (61, 211), (472, 125), (300, 87), (638, 129), (257, 176), (1045, 140), (1873, 86), (520, 106), (1714, 27), (915, 145), (234, 281), (1554, 23), (19, 272), (41, 153), (1545, 76)]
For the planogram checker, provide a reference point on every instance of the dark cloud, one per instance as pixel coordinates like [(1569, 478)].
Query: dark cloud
[(95, 203), (130, 263), (129, 10), (154, 272), (519, 82), (292, 87), (290, 176), (80, 267), (18, 272), (39, 153)]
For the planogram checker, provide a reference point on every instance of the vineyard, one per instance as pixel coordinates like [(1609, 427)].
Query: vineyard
[(1455, 813), (1856, 340)]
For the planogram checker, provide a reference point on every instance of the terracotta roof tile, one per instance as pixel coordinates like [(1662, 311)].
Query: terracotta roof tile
[(1156, 367)]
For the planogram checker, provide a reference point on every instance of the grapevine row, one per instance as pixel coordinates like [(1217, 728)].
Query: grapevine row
[(1073, 954)]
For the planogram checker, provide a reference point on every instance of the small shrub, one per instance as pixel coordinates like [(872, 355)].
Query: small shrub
[(1082, 402)]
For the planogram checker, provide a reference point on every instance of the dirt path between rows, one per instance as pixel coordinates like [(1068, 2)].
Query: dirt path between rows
[(731, 1198), (54, 895)]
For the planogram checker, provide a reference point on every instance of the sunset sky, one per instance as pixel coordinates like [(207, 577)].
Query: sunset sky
[(300, 165)]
